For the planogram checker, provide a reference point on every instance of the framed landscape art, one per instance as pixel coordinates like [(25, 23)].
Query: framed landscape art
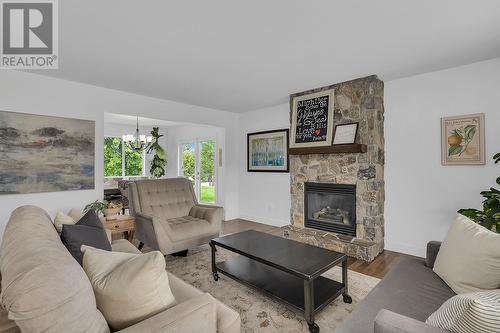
[(462, 140), (268, 151), (312, 119), (45, 154)]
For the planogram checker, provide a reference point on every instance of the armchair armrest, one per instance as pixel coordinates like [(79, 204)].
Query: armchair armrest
[(432, 252), (212, 214), (195, 315), (145, 230), (389, 322)]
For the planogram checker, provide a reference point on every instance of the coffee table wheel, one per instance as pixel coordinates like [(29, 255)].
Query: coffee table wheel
[(216, 276), (313, 327), (347, 299)]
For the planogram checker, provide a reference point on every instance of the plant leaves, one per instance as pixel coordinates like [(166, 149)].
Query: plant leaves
[(496, 158), (454, 150), (470, 131)]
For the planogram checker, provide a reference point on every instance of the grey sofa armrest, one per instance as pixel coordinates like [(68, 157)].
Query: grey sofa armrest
[(195, 315), (432, 252), (389, 322)]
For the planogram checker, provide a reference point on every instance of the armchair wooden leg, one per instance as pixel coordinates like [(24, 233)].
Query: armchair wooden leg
[(141, 244)]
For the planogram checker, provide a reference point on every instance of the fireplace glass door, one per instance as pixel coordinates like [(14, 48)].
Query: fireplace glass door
[(330, 207)]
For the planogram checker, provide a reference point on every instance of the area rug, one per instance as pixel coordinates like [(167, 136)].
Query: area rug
[(258, 312)]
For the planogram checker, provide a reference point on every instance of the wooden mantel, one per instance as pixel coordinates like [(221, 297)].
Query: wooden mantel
[(333, 149)]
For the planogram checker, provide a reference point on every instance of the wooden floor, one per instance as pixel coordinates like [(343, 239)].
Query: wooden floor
[(377, 268)]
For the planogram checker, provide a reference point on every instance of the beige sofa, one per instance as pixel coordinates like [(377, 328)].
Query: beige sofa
[(168, 217), (44, 289)]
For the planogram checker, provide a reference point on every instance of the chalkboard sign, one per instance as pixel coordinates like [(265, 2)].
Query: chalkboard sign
[(312, 119)]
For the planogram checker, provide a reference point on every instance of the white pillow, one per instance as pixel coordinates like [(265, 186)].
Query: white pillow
[(128, 287), (61, 219), (75, 213), (469, 257), (473, 312)]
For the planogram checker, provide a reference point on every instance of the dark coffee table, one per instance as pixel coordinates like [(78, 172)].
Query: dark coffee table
[(284, 269)]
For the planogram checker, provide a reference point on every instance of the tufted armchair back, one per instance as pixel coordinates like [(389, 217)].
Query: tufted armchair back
[(167, 198)]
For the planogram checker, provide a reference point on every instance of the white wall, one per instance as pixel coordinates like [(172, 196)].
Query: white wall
[(264, 197), (421, 195), (31, 93)]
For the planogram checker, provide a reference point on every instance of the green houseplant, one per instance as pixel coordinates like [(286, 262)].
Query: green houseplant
[(159, 161), (97, 206), (489, 217)]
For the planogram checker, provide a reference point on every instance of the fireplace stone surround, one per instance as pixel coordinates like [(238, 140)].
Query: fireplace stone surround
[(359, 100)]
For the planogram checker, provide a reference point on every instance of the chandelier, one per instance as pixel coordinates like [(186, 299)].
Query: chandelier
[(137, 142)]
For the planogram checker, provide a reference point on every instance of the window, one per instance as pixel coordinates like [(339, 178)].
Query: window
[(112, 157), (122, 161)]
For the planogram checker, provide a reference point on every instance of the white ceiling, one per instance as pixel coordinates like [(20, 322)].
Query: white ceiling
[(243, 55), (122, 119)]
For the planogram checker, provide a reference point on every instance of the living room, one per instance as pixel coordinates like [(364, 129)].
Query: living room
[(408, 92)]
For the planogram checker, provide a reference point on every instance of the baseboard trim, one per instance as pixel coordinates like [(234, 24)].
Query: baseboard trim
[(264, 220), (405, 248)]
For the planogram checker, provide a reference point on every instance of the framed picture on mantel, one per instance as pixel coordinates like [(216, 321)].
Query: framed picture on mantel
[(312, 119), (268, 151)]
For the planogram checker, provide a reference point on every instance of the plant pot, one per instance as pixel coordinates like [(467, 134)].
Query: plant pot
[(111, 211)]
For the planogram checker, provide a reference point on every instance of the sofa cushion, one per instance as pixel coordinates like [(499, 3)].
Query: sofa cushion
[(128, 287), (187, 227), (123, 245), (87, 231), (410, 289), (43, 287), (477, 312), (469, 257)]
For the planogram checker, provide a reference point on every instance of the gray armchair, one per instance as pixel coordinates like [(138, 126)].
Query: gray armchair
[(168, 217)]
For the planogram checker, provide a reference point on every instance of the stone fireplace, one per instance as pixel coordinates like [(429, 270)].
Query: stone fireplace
[(361, 101)]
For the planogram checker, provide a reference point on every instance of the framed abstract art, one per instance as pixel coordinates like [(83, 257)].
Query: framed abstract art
[(268, 151)]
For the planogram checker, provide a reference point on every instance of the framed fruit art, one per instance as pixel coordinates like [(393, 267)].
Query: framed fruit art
[(462, 140)]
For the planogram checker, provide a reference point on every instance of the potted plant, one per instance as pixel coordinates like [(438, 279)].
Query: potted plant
[(112, 209), (489, 217), (102, 207), (159, 161)]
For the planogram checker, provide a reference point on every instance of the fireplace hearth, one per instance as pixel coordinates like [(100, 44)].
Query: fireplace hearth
[(330, 207)]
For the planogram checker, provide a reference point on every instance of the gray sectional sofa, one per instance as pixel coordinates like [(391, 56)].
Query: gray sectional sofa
[(403, 300), (44, 289)]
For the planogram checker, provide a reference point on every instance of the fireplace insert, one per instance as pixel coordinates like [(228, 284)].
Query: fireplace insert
[(330, 207)]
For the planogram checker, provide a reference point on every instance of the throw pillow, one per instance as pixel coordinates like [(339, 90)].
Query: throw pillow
[(75, 214), (469, 257), (61, 219), (128, 287), (473, 312), (90, 219), (88, 231)]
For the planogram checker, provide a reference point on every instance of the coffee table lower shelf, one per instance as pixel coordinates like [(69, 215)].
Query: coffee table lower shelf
[(279, 284)]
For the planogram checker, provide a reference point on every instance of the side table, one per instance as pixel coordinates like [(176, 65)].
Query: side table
[(120, 224)]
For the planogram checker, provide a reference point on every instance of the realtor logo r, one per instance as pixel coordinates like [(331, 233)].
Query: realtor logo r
[(29, 34)]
